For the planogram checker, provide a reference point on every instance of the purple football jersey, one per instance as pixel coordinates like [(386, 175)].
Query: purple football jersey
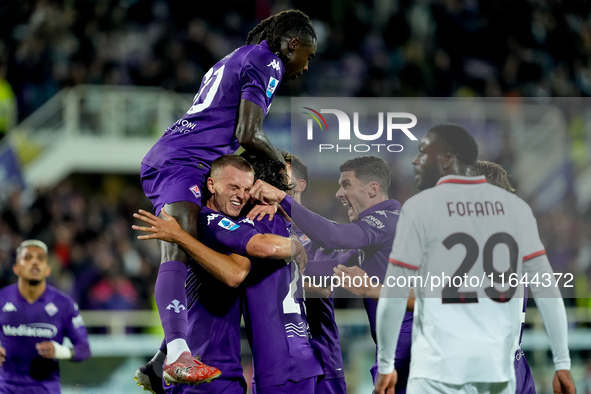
[(275, 319), (373, 234), (53, 317), (320, 316), (206, 131), (214, 308), (323, 327)]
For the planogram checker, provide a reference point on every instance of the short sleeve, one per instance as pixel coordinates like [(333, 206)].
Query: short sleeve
[(532, 245), (409, 242), (233, 234), (260, 78)]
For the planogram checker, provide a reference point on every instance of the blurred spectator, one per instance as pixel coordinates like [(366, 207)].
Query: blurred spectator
[(405, 48), (8, 111)]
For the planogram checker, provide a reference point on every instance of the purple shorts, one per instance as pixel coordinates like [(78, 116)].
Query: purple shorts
[(331, 386), (173, 184), (523, 378)]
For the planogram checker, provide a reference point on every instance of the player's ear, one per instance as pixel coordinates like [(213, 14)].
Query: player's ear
[(15, 269), (447, 160), (374, 189), (210, 184), (301, 186), (293, 44)]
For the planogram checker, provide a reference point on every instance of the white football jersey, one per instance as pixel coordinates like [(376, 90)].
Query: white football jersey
[(470, 233)]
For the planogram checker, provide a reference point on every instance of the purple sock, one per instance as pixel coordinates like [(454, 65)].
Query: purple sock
[(171, 299)]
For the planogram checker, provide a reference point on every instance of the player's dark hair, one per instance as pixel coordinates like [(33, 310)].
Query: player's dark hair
[(458, 141), (266, 169), (494, 173), (289, 23), (369, 169), (230, 160), (298, 169)]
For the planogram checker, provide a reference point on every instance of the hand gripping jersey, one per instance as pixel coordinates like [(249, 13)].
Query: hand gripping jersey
[(274, 317), (53, 317), (206, 131), (465, 227), (213, 307)]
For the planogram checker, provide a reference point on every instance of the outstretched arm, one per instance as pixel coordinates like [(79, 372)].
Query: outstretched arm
[(327, 233), (229, 269), (249, 130)]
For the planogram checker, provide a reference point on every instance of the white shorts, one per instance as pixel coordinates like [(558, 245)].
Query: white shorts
[(420, 386)]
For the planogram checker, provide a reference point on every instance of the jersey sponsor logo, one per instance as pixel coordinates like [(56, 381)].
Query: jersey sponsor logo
[(304, 239), (77, 321), (246, 220), (51, 309), (228, 224), (9, 307), (274, 64), (176, 305), (272, 86), (195, 190), (37, 330), (373, 221)]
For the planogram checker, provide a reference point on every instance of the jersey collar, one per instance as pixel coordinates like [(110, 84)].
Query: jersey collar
[(464, 180)]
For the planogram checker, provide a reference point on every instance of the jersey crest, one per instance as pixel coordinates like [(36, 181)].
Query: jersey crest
[(51, 309), (304, 239), (195, 190)]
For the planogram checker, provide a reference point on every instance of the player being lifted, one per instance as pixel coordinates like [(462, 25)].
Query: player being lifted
[(212, 287), (464, 340), (227, 112)]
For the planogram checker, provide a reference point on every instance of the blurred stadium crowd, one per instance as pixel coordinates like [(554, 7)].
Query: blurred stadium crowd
[(380, 48)]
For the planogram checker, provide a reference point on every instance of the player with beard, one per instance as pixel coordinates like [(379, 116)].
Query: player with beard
[(35, 319), (214, 308), (464, 339)]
